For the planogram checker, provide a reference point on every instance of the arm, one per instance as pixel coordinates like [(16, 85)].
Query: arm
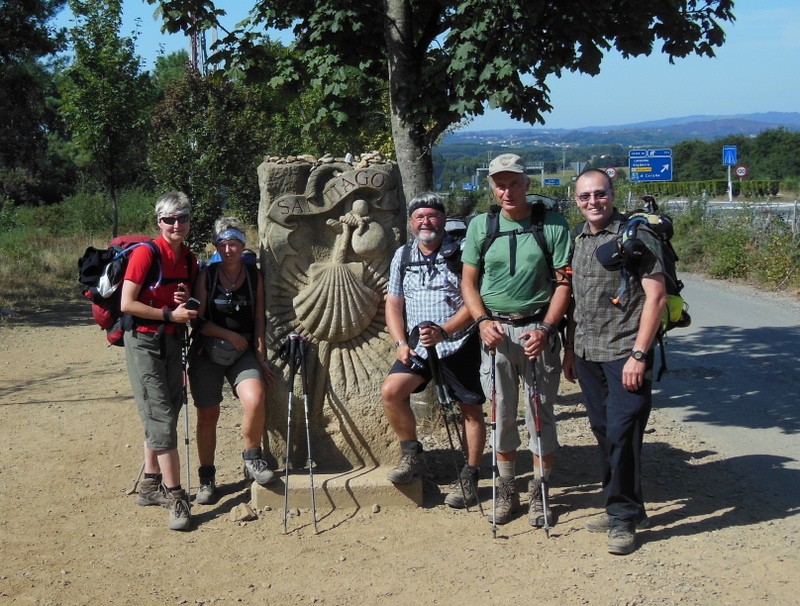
[(536, 340), (396, 326), (491, 332), (655, 299), (568, 363)]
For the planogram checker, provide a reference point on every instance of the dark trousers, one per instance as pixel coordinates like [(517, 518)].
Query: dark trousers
[(617, 418)]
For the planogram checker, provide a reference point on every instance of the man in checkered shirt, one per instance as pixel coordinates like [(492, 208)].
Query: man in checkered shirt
[(423, 288)]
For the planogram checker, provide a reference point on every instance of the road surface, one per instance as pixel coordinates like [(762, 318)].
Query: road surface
[(733, 376)]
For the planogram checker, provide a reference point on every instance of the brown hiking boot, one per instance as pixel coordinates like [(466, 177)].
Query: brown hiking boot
[(622, 539), (151, 492), (536, 511), (411, 466), (179, 517), (602, 523), (458, 498), (506, 502)]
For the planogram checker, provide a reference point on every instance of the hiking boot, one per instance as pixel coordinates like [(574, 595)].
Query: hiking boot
[(207, 494), (255, 468), (179, 517), (411, 466), (536, 511), (458, 498), (507, 501), (152, 492), (602, 523), (622, 539)]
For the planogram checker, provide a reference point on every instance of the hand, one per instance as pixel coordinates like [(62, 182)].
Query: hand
[(238, 341), (491, 333), (269, 374), (533, 343), (181, 315), (181, 294), (430, 336), (568, 366), (404, 353), (633, 374)]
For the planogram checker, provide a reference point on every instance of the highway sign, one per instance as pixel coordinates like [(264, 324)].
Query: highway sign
[(741, 171), (729, 155), (468, 187), (650, 164), (611, 172), (552, 182)]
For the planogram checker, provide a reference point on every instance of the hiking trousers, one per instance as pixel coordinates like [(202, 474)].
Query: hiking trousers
[(618, 418)]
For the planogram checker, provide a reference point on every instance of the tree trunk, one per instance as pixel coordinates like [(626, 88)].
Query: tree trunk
[(411, 141)]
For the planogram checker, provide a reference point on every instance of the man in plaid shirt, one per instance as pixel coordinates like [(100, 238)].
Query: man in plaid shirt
[(424, 288), (609, 350)]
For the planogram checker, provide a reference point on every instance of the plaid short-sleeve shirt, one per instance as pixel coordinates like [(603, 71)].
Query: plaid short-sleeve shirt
[(431, 292)]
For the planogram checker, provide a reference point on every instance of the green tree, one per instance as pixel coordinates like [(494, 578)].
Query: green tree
[(444, 61), (106, 99), (26, 41)]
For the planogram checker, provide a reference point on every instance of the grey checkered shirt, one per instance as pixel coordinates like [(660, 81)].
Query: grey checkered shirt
[(431, 292)]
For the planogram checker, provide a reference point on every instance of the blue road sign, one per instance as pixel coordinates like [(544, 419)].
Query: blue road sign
[(650, 164), (468, 187), (729, 154), (552, 182)]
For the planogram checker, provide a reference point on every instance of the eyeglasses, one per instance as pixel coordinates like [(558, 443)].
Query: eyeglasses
[(182, 219), (599, 194), (423, 218)]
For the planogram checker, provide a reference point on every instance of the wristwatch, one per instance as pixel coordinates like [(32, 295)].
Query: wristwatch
[(399, 343), (638, 355)]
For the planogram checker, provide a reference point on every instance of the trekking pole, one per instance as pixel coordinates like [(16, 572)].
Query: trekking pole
[(493, 353), (292, 353), (132, 489), (184, 361), (303, 346), (448, 410), (536, 402)]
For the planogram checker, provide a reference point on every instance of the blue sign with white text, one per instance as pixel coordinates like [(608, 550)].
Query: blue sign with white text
[(650, 164), (552, 182), (729, 155)]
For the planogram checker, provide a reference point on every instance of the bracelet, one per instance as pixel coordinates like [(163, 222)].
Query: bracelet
[(165, 313), (549, 328), (481, 319)]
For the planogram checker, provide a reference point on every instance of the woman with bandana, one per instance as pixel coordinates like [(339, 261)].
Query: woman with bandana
[(232, 347)]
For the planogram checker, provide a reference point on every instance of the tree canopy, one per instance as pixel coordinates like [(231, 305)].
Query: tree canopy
[(444, 61)]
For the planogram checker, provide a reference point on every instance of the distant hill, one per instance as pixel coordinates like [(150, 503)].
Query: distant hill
[(657, 132)]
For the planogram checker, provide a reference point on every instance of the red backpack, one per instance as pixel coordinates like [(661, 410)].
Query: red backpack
[(101, 272)]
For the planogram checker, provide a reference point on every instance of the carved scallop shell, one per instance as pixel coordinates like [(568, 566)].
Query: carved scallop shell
[(336, 306)]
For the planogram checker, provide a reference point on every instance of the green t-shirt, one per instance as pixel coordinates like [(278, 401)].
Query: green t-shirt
[(531, 285)]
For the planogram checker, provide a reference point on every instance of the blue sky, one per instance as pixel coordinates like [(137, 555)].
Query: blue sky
[(755, 71)]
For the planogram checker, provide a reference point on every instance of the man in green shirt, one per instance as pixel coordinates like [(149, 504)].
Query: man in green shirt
[(517, 297)]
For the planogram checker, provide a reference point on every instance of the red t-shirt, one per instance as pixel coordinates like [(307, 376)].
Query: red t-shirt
[(175, 269)]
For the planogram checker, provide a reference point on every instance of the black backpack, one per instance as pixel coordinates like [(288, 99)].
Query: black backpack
[(538, 212), (628, 250)]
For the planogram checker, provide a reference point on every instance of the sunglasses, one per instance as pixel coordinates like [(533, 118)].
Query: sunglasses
[(182, 219), (599, 194)]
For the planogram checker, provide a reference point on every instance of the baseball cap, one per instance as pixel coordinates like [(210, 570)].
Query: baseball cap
[(509, 163)]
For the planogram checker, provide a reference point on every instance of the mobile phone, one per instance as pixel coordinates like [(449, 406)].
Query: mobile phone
[(192, 304)]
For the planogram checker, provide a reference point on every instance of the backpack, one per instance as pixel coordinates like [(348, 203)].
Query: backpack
[(251, 277), (628, 250), (101, 272), (449, 251)]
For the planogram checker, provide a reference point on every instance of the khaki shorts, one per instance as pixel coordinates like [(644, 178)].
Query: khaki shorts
[(206, 378)]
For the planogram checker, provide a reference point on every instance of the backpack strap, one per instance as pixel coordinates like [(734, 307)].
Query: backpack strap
[(536, 228)]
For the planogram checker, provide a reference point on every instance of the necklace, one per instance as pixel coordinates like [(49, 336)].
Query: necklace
[(232, 283)]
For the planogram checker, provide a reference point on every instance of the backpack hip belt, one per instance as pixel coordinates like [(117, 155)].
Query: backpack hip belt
[(520, 319)]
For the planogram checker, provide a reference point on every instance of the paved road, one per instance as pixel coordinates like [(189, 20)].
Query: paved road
[(734, 376)]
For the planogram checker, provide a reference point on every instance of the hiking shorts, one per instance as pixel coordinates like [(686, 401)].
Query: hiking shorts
[(206, 377), (460, 370), (511, 365), (157, 384)]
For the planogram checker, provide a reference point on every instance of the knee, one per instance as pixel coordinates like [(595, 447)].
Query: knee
[(207, 417)]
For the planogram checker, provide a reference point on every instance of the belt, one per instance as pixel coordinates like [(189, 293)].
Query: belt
[(518, 319)]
